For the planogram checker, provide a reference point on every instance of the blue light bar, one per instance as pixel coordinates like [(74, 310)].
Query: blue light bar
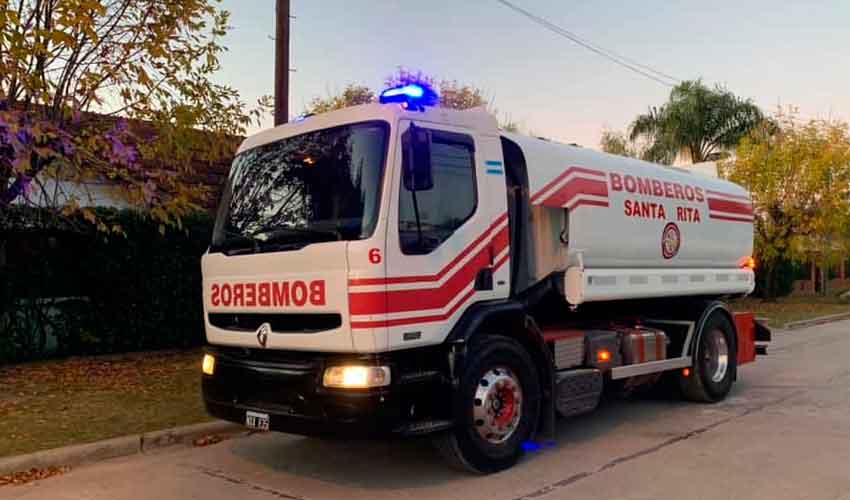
[(412, 94), (413, 91)]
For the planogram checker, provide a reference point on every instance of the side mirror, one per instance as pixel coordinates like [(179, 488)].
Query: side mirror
[(417, 167)]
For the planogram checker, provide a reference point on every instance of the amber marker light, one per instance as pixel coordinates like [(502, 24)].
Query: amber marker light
[(748, 263), (603, 355), (208, 366)]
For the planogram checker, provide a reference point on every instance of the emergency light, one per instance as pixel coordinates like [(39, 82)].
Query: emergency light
[(412, 95)]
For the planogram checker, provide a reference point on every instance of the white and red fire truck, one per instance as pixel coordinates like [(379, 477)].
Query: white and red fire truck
[(399, 268)]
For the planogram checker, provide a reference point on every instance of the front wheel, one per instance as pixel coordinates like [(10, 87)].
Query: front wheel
[(715, 361), (496, 407)]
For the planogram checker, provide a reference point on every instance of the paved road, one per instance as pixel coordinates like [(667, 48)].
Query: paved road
[(783, 433)]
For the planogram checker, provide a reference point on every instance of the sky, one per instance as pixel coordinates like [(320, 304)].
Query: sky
[(788, 53)]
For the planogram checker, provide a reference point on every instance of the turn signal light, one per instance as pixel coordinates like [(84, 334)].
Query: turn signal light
[(686, 372), (208, 366), (603, 355), (749, 263)]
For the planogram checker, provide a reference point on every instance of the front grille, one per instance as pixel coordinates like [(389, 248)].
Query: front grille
[(287, 359), (280, 323)]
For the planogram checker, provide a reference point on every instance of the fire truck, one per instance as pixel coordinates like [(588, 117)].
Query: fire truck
[(402, 269)]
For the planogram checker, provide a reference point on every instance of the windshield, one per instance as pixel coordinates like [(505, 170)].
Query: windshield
[(318, 186)]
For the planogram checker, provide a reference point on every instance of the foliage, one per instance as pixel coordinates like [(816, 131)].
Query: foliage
[(616, 143), (68, 293), (102, 91), (697, 122), (351, 95), (776, 279), (799, 177)]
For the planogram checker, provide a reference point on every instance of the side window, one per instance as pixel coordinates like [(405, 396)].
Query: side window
[(427, 218)]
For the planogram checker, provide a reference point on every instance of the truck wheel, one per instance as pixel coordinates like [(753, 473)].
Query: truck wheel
[(496, 407), (715, 361)]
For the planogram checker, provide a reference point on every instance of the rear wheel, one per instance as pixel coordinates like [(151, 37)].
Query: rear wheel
[(496, 407), (714, 365)]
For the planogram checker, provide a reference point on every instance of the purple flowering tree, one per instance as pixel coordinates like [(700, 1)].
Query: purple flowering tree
[(117, 93)]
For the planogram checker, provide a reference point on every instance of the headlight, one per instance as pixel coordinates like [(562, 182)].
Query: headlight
[(208, 366), (356, 377)]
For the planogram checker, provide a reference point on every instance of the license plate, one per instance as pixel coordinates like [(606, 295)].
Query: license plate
[(255, 420)]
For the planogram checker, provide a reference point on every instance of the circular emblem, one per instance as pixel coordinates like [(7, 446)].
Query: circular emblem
[(671, 241), (263, 334)]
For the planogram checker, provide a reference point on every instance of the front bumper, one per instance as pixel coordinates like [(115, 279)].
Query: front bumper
[(288, 387)]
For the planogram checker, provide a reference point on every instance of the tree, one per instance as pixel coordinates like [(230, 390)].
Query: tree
[(697, 122), (799, 177), (351, 95), (117, 92), (616, 143)]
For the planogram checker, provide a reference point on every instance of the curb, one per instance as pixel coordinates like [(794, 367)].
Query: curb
[(796, 325), (75, 455)]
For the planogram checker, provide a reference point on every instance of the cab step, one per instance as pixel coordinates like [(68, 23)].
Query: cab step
[(577, 391), (423, 427)]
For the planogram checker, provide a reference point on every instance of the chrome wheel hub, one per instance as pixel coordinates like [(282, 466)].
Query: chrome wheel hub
[(497, 406), (716, 356)]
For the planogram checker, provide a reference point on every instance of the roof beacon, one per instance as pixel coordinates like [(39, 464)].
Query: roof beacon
[(410, 96)]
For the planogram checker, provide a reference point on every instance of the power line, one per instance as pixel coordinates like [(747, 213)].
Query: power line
[(642, 69)]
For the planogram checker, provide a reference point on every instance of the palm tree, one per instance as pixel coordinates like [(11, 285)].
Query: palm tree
[(697, 122)]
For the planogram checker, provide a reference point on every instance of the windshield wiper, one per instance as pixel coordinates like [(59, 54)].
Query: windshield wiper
[(231, 244), (277, 234)]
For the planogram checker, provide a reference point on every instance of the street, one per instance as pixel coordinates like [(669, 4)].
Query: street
[(784, 432)]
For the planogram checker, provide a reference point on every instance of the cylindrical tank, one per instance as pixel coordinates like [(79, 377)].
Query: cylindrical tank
[(612, 212)]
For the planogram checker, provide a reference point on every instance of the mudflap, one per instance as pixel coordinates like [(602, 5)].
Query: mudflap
[(753, 337)]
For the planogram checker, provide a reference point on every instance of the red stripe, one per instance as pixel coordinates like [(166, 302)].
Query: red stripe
[(732, 207), (429, 277), (592, 203), (422, 319), (561, 177), (575, 187), (394, 301), (727, 195), (410, 321)]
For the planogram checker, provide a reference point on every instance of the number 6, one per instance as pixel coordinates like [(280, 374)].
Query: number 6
[(375, 256)]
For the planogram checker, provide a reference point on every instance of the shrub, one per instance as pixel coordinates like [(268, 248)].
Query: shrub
[(76, 291)]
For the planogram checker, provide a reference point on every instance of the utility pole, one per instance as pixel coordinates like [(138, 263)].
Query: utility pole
[(281, 64)]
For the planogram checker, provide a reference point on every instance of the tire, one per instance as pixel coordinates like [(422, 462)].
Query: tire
[(492, 360), (711, 378)]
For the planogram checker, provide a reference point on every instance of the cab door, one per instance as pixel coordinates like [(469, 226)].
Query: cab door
[(447, 243)]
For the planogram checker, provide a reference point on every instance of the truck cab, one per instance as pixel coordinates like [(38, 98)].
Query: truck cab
[(321, 235)]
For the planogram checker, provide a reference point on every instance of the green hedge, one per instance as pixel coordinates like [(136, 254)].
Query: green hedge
[(784, 273), (83, 292)]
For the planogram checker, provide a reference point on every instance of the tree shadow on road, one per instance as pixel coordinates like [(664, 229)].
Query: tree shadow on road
[(413, 464)]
